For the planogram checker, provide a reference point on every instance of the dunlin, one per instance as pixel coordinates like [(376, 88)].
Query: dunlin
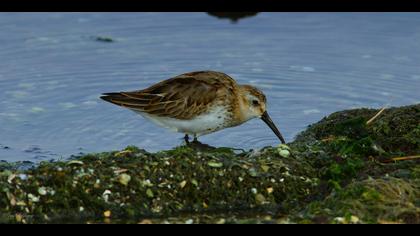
[(197, 103)]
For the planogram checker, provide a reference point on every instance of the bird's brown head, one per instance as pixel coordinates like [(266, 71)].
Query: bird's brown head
[(254, 105)]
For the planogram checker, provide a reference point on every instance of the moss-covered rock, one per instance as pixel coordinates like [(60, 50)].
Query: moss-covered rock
[(340, 170), (355, 159), (134, 183), (382, 200)]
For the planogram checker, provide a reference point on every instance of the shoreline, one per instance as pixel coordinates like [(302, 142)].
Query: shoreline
[(339, 170)]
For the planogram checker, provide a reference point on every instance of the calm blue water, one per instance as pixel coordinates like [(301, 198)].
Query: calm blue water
[(52, 73)]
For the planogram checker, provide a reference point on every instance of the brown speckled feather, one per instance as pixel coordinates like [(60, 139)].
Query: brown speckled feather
[(181, 97)]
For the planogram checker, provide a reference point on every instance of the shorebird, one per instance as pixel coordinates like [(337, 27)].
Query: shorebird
[(197, 103)]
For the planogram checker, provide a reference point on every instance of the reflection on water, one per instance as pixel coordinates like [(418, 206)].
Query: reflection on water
[(308, 64), (233, 16)]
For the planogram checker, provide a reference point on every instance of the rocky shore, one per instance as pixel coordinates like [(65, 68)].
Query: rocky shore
[(346, 168)]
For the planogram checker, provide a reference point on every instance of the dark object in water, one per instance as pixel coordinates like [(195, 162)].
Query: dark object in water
[(103, 39), (233, 16)]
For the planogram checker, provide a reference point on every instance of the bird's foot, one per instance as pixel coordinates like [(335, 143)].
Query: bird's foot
[(186, 139), (195, 144)]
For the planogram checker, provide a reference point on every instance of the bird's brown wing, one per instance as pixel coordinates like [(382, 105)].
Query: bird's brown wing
[(181, 97)]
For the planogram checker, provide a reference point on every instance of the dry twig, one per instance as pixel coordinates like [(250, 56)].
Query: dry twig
[(375, 116), (403, 158)]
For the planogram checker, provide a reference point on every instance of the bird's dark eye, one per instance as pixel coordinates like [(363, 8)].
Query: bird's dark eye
[(255, 102)]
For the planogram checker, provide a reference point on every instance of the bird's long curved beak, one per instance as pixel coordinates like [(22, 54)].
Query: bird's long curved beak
[(266, 118)]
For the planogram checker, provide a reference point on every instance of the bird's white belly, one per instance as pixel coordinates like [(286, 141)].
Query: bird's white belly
[(208, 122)]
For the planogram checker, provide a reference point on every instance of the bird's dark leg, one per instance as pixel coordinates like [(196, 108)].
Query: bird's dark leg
[(195, 144), (187, 139)]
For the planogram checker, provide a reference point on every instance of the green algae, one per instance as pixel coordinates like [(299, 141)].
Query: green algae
[(350, 154), (395, 132), (334, 172), (382, 200), (161, 184)]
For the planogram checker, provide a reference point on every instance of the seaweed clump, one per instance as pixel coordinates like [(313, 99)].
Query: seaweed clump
[(133, 183), (368, 172)]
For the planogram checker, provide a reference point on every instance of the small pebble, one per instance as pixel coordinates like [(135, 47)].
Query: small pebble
[(182, 184), (354, 219), (42, 191), (124, 179), (221, 221), (33, 198), (189, 221), (23, 176), (107, 214), (146, 222), (149, 193), (284, 153)]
